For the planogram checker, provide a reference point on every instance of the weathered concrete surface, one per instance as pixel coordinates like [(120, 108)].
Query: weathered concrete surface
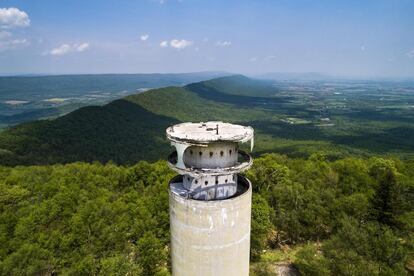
[(199, 133), (214, 155), (211, 238)]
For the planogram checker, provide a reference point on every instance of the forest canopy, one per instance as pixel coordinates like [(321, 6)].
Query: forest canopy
[(348, 217)]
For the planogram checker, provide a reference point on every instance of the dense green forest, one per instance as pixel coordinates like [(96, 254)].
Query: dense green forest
[(346, 217), (296, 119)]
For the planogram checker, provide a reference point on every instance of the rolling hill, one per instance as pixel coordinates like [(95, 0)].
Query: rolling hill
[(132, 129), (124, 131)]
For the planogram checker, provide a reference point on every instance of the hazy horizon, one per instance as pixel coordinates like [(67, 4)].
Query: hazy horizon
[(350, 39), (267, 75)]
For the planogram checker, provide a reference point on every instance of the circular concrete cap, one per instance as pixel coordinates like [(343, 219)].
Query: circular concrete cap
[(209, 132)]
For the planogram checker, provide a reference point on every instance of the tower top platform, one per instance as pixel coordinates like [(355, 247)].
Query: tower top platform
[(213, 131)]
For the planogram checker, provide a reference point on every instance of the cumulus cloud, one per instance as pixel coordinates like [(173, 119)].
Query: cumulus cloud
[(82, 47), (180, 43), (223, 43), (410, 54), (176, 43), (61, 50), (144, 37), (67, 48), (13, 18)]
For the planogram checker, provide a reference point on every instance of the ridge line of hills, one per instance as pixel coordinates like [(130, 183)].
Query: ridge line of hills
[(132, 128), (125, 130)]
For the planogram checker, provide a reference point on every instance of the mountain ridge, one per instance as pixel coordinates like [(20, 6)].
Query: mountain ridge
[(124, 131), (286, 120)]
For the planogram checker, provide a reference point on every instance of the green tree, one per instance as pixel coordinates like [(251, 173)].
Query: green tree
[(267, 172), (260, 226), (388, 198), (365, 249), (310, 261), (151, 254)]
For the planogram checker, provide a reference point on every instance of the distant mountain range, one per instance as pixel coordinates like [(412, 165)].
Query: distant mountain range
[(25, 98), (295, 76), (314, 76)]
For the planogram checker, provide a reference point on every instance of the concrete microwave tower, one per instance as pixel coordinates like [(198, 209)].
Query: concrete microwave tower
[(210, 202)]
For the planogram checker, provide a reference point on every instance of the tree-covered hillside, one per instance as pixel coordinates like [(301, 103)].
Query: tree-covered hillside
[(239, 85), (294, 121), (120, 131), (348, 217)]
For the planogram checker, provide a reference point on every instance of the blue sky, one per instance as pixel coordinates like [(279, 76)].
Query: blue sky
[(348, 38)]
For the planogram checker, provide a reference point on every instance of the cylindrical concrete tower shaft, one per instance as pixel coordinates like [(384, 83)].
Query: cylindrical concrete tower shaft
[(210, 203), (211, 237)]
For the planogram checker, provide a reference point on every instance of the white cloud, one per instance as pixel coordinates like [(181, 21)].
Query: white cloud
[(61, 50), (9, 44), (12, 18), (180, 44), (67, 48), (162, 2), (176, 43), (253, 59), (223, 43), (144, 37), (82, 47), (362, 48), (19, 41), (410, 54), (270, 58)]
